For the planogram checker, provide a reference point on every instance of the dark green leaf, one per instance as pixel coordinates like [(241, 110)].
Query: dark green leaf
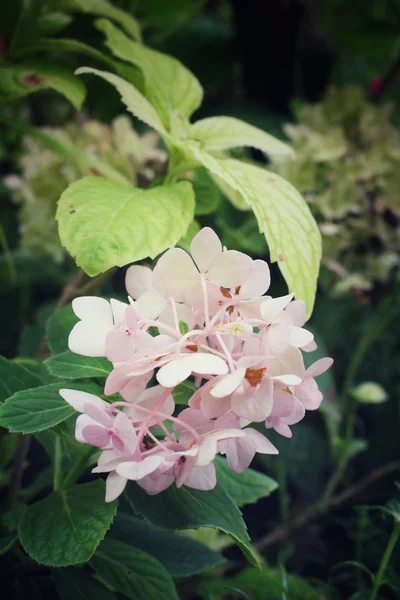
[(185, 508), (66, 527), (132, 572), (40, 408), (180, 555), (246, 487), (6, 543), (74, 366), (79, 586), (15, 377), (183, 392), (59, 327)]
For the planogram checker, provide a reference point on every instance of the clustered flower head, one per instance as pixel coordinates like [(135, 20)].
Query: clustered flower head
[(347, 166), (202, 316), (46, 173)]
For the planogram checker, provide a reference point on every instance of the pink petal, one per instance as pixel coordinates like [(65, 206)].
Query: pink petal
[(319, 367), (205, 247), (184, 314), (82, 422), (96, 435), (156, 485), (124, 429), (138, 280), (230, 269), (260, 442), (92, 308), (194, 418), (119, 346), (309, 394), (254, 405), (89, 337), (300, 337), (258, 281), (213, 407), (239, 453), (201, 478), (148, 399), (99, 413), (115, 485), (298, 311)]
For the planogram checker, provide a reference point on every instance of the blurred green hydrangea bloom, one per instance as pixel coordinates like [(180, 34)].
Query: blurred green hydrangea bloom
[(45, 173), (347, 166)]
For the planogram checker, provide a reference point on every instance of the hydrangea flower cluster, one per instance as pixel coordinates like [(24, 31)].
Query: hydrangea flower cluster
[(205, 317)]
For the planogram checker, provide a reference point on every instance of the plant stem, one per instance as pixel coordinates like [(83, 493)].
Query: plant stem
[(78, 467), (385, 560), (57, 465), (356, 361), (18, 467)]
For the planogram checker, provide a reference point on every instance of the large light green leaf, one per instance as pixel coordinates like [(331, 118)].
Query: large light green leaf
[(66, 527), (246, 487), (135, 102), (17, 81), (14, 378), (75, 366), (42, 407), (106, 9), (103, 224), (222, 133), (179, 554), (170, 87), (283, 216), (132, 572), (185, 508)]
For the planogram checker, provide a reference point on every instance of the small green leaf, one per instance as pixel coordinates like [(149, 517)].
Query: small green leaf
[(222, 133), (369, 392), (180, 555), (17, 81), (183, 392), (66, 527), (183, 328), (246, 487), (7, 542), (59, 327), (103, 8), (38, 409), (132, 572), (104, 225), (135, 102), (169, 86), (185, 508), (186, 240), (74, 366), (70, 583), (14, 378), (206, 192), (283, 216)]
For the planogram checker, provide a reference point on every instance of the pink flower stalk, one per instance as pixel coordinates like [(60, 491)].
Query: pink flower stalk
[(205, 317)]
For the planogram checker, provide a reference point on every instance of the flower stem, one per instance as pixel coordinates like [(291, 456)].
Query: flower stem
[(78, 467), (385, 560)]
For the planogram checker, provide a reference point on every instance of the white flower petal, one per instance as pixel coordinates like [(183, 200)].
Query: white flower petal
[(115, 485), (228, 384), (205, 247), (89, 338), (138, 280), (136, 470), (271, 308), (118, 309), (206, 364), (78, 399), (173, 373), (288, 379), (150, 305), (174, 273), (92, 308), (258, 281), (300, 337), (230, 269)]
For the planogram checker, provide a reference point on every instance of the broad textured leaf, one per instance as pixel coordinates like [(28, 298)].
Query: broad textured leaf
[(103, 225), (185, 508), (183, 392), (17, 81), (38, 409), (246, 487), (180, 555), (66, 527), (74, 366), (134, 100), (283, 216), (133, 572), (206, 192), (169, 86), (59, 327), (14, 378), (70, 583), (222, 133), (103, 8)]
